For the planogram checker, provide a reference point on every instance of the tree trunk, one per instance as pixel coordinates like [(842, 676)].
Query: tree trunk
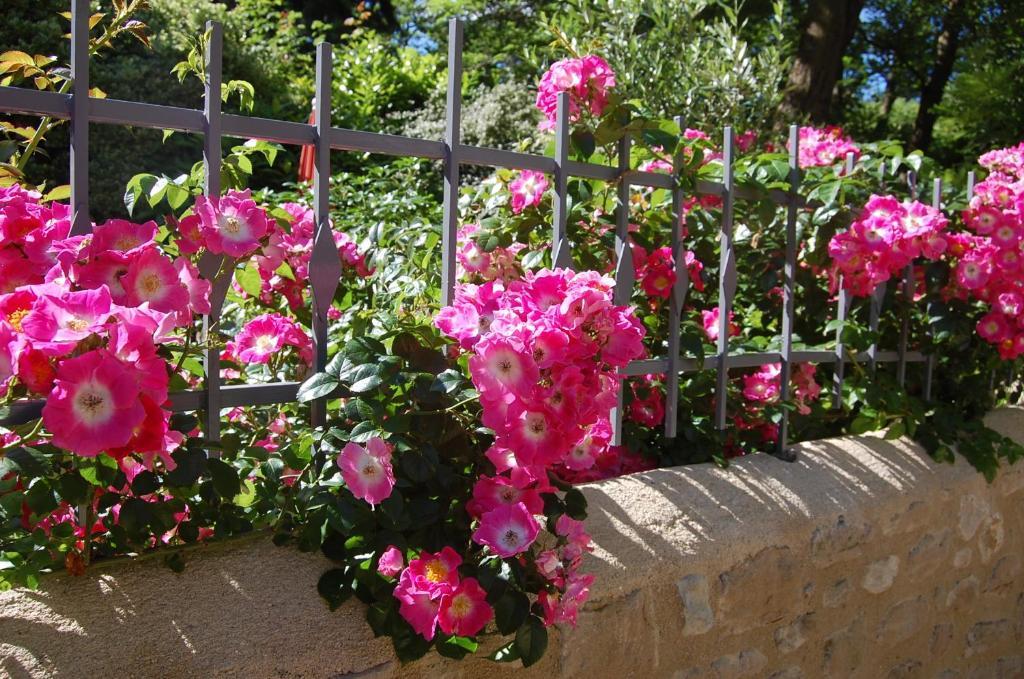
[(942, 68), (885, 108), (827, 28)]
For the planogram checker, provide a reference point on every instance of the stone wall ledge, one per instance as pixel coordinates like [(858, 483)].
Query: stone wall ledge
[(862, 559)]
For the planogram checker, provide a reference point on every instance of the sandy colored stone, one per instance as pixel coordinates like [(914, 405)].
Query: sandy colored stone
[(696, 597)]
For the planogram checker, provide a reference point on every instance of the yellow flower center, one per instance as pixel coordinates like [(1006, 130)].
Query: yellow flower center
[(150, 284), (462, 605), (436, 571), (232, 225), (76, 324), (15, 319)]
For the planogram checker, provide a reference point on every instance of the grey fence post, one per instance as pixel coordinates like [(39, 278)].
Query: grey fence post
[(452, 141), (726, 280), (929, 366), (789, 283), (624, 274), (324, 261), (212, 266), (842, 309), (677, 297), (908, 297), (80, 118), (561, 257)]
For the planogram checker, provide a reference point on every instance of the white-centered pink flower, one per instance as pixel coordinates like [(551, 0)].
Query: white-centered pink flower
[(367, 470)]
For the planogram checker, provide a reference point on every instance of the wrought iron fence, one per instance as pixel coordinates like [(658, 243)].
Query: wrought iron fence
[(325, 265)]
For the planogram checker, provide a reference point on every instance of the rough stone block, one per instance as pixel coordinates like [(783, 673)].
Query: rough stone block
[(880, 574), (748, 663), (697, 612)]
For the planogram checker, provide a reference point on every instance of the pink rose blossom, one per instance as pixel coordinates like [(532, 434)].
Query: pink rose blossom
[(367, 471), (94, 404), (391, 562), (465, 611), (507, 530), (232, 224)]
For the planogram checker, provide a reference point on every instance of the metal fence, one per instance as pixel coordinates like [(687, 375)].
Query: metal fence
[(325, 265)]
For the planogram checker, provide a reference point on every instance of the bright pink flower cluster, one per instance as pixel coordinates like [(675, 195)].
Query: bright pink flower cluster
[(991, 262), (1008, 161), (886, 237), (83, 325), (587, 81), (264, 337), (656, 271), (709, 319), (821, 147), (546, 351), (527, 190), (431, 594), (232, 225), (479, 266), (763, 387), (283, 263)]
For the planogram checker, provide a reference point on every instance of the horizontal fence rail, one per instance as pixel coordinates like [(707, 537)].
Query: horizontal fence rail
[(325, 271)]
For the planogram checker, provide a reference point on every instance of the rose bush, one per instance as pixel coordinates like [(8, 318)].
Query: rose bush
[(441, 485)]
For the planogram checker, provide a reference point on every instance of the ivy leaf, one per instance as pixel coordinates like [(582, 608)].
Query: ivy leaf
[(531, 640), (317, 386)]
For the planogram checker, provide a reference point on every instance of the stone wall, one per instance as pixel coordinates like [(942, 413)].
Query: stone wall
[(862, 559)]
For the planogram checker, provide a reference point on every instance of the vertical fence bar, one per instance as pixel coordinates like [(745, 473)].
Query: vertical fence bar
[(842, 309), (452, 140), (726, 281), (970, 184), (79, 173), (875, 311), (789, 282), (624, 274), (929, 366), (324, 261), (561, 257), (908, 297), (678, 295), (80, 118), (210, 265)]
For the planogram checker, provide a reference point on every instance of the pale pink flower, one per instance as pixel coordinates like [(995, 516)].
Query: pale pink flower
[(232, 224), (507, 530), (367, 471), (391, 562)]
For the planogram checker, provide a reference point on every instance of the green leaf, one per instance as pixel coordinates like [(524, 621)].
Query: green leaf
[(510, 611), (449, 381), (896, 430), (364, 378), (531, 640), (191, 463), (28, 462), (145, 482), (225, 478), (317, 386), (249, 279), (335, 586), (506, 653), (575, 504)]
